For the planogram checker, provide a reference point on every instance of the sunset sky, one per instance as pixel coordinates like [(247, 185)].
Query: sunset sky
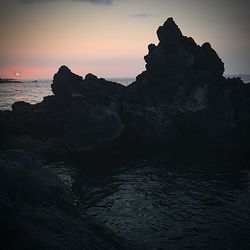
[(109, 37)]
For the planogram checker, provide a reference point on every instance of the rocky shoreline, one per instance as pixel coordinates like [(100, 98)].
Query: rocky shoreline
[(181, 105), (7, 80), (37, 212)]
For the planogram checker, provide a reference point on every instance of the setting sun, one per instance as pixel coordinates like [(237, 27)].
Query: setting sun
[(17, 74)]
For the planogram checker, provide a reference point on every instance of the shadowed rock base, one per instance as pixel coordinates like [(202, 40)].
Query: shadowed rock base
[(37, 212), (180, 105)]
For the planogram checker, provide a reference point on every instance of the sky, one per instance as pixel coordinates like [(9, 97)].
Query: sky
[(109, 38)]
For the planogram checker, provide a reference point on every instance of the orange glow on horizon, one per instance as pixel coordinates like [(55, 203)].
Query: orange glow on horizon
[(35, 72), (26, 72)]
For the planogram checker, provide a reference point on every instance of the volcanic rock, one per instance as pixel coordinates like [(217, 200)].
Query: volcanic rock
[(181, 101), (84, 113), (65, 83)]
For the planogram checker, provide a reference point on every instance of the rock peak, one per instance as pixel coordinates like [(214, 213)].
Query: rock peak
[(90, 77), (170, 23), (169, 32), (65, 83), (64, 69), (177, 57)]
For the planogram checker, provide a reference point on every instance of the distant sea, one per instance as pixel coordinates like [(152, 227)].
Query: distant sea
[(33, 92)]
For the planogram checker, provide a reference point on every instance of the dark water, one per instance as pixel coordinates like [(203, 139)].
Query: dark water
[(157, 206)]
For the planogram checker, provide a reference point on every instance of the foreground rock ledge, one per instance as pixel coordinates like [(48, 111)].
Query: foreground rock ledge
[(36, 211), (181, 103)]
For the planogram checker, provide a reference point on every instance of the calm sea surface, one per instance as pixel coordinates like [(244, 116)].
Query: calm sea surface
[(153, 204)]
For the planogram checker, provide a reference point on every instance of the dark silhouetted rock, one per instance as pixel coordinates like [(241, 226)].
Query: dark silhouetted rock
[(37, 212), (84, 114), (65, 83), (90, 77), (181, 101), (169, 33), (21, 106)]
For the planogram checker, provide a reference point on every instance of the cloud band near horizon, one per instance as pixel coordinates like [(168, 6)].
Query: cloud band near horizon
[(96, 2), (142, 15)]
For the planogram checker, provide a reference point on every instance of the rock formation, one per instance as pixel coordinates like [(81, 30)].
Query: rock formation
[(180, 104), (181, 101), (82, 114)]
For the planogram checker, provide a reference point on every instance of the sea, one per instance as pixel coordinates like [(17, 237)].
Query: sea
[(155, 204), (159, 205)]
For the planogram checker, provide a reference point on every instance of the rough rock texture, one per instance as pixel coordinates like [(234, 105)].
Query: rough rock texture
[(183, 99), (180, 102), (82, 115), (36, 211), (66, 84)]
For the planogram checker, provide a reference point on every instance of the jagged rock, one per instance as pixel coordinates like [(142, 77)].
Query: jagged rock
[(169, 33), (176, 57), (20, 106), (180, 101), (90, 77), (83, 113), (65, 83), (37, 212), (208, 62), (183, 99), (93, 117)]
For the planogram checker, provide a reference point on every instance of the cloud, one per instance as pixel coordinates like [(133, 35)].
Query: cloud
[(105, 2), (102, 2), (142, 15)]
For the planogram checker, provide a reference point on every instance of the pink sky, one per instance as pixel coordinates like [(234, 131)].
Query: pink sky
[(110, 40)]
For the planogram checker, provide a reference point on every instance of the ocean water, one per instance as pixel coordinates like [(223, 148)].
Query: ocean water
[(33, 92), (155, 205)]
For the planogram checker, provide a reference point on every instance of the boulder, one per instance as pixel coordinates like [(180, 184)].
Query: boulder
[(65, 83), (21, 106)]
